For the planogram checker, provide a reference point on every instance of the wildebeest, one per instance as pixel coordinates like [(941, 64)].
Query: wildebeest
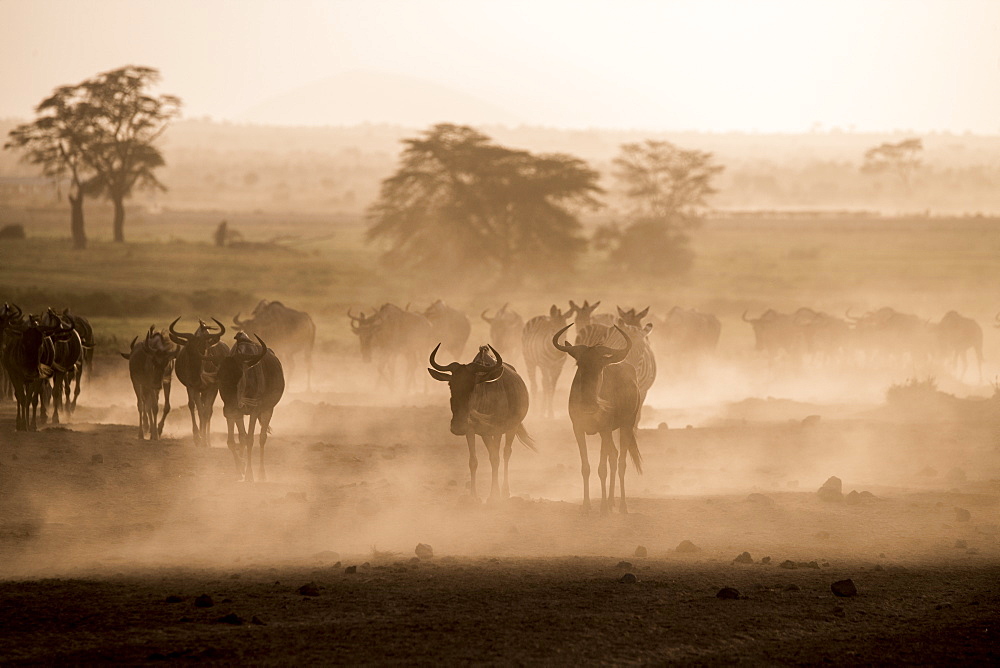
[(825, 337), (488, 398), (86, 332), (506, 326), (538, 353), (604, 397), (390, 334), (955, 335), (12, 314), (67, 364), (197, 368), (290, 332), (27, 352), (251, 383), (150, 367), (776, 333), (687, 336), (449, 326), (892, 335)]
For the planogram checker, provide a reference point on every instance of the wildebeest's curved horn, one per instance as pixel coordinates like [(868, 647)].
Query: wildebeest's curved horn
[(355, 317), (215, 338), (237, 321), (17, 312), (128, 355), (438, 367), (178, 337), (847, 314), (745, 318), (483, 316), (615, 356), (565, 347)]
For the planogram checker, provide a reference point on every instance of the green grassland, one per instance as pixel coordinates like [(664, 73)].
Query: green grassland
[(321, 264)]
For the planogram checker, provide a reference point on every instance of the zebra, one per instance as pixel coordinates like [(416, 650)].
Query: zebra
[(536, 345)]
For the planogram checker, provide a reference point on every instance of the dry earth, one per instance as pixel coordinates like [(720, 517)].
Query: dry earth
[(106, 543)]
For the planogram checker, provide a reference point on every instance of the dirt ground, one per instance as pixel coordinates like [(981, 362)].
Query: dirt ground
[(107, 543)]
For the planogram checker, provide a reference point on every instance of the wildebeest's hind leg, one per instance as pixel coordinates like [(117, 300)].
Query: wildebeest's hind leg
[(508, 446), (612, 455), (265, 426), (152, 399), (205, 410), (470, 438)]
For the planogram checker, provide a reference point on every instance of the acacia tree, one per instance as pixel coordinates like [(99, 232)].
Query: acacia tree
[(126, 123), (901, 159), (58, 140), (667, 188), (458, 201)]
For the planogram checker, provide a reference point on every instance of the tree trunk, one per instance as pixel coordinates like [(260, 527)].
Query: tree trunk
[(76, 221), (119, 218)]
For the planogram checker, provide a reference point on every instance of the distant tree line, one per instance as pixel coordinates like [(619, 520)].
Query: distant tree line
[(99, 134), (460, 203)]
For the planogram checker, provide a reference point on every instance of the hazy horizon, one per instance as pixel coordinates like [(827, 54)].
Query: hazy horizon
[(773, 67)]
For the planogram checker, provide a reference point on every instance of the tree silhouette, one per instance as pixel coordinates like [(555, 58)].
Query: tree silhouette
[(460, 202), (901, 159), (667, 188), (58, 140), (126, 122)]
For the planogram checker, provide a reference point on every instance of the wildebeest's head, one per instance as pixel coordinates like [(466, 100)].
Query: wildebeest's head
[(590, 362), (365, 328), (462, 380), (201, 339)]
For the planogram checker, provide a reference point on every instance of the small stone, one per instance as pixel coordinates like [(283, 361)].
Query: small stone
[(832, 490), (204, 601), (728, 593), (414, 560), (662, 426), (766, 560), (744, 558), (878, 567), (174, 599), (231, 618), (760, 499), (624, 564), (687, 547), (788, 563), (97, 459), (309, 589), (853, 498), (808, 564), (792, 587), (424, 551), (962, 515), (844, 588), (350, 570), (640, 551), (628, 578), (943, 606), (839, 611)]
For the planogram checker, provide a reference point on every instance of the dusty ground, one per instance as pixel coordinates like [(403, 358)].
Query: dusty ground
[(105, 542)]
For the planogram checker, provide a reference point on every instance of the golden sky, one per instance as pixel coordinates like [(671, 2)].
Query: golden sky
[(786, 66)]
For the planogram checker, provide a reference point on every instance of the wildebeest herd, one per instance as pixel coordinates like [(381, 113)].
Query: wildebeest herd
[(44, 358)]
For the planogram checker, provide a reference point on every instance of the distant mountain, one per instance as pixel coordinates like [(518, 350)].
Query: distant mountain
[(375, 97)]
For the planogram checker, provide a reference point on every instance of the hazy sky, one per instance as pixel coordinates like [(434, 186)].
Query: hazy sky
[(665, 65)]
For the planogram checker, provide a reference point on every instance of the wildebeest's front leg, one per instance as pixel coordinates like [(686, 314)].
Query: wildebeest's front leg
[(470, 438), (581, 441), (195, 409), (265, 425), (234, 447), (206, 407), (166, 402), (602, 470), (493, 448), (252, 420)]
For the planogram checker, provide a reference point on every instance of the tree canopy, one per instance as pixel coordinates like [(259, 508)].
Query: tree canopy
[(667, 190), (901, 159), (458, 201), (100, 133)]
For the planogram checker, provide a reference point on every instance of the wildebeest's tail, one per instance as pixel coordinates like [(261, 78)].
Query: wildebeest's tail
[(629, 442), (524, 437)]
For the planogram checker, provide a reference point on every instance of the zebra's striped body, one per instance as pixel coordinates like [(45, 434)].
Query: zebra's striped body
[(536, 346)]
